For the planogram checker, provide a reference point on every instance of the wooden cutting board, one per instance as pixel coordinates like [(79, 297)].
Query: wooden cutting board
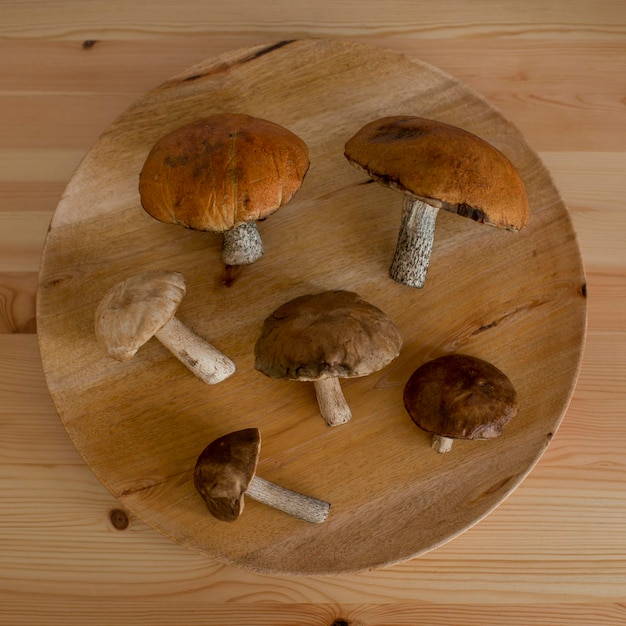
[(517, 300)]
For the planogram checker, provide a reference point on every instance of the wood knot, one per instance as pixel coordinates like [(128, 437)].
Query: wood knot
[(340, 622), (119, 519), (89, 43)]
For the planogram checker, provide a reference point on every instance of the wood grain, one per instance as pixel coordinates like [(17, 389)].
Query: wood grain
[(406, 614), (552, 553), (534, 19)]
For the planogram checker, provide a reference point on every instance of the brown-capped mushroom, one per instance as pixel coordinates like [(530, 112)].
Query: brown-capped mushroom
[(459, 397), (323, 337), (226, 470), (222, 173), (144, 306), (437, 166)]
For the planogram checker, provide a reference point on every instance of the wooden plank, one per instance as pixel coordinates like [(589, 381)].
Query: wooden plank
[(56, 121), (159, 611), (532, 19), (607, 297), (37, 165), (23, 389), (21, 239), (595, 187), (29, 195)]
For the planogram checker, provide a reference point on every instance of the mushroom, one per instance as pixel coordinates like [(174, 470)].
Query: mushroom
[(436, 166), (222, 173), (324, 337), (225, 471), (143, 306), (459, 397)]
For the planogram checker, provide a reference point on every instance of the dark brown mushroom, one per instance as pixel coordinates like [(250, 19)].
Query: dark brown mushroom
[(323, 337), (436, 166), (459, 397), (221, 174), (226, 470)]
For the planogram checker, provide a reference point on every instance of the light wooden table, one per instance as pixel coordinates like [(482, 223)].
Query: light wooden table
[(552, 553)]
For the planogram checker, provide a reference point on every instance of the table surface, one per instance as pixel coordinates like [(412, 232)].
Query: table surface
[(553, 553)]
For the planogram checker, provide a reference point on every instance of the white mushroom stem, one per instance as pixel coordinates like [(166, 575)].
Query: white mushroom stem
[(441, 444), (415, 242), (293, 503), (332, 403), (203, 359), (242, 245)]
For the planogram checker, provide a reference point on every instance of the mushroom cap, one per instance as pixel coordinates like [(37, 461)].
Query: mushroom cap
[(461, 397), (133, 311), (444, 166), (224, 471), (221, 171), (333, 333)]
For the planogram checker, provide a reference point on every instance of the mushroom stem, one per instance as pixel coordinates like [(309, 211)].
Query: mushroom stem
[(441, 444), (203, 359), (293, 503), (242, 245), (333, 406), (415, 242)]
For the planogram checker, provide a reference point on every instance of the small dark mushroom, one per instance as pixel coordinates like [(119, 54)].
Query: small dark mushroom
[(225, 471), (459, 397)]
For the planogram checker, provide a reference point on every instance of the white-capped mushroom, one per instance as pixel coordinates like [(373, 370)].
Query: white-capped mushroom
[(144, 306)]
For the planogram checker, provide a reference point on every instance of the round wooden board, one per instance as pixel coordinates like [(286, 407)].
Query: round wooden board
[(517, 300)]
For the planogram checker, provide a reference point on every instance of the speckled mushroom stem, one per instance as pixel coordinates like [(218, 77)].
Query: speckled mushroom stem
[(332, 403), (197, 354), (441, 444), (242, 245), (415, 243), (293, 503)]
